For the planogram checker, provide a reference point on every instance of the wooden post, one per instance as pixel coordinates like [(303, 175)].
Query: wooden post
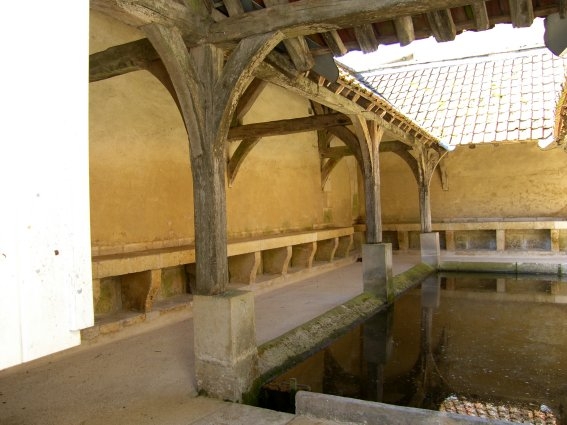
[(427, 160), (369, 137), (208, 91), (424, 207)]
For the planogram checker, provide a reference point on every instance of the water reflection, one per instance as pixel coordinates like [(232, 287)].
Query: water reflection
[(496, 341)]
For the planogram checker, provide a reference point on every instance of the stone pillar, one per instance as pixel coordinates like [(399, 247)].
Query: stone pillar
[(500, 239), (450, 240), (377, 270), (554, 236), (403, 240), (430, 251), (225, 344)]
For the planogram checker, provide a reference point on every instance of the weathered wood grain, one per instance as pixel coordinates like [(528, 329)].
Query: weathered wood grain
[(366, 38), (288, 126), (442, 25), (404, 30)]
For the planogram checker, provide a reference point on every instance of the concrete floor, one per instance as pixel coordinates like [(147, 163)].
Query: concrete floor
[(144, 374)]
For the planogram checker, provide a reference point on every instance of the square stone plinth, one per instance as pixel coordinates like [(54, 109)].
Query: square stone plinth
[(430, 250), (377, 270), (225, 344)]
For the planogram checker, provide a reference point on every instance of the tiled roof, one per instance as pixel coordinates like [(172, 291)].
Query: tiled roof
[(497, 98)]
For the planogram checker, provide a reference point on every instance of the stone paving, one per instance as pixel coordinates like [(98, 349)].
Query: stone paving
[(145, 373)]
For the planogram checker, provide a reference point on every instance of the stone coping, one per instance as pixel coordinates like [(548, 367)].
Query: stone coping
[(477, 225), (349, 410), (141, 257)]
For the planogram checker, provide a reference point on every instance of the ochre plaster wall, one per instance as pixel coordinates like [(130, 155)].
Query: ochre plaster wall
[(141, 185), (141, 188), (507, 181)]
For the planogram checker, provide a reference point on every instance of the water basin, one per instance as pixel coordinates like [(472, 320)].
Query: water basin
[(483, 345)]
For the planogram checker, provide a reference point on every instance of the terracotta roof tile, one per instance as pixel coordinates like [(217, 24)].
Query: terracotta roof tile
[(502, 97)]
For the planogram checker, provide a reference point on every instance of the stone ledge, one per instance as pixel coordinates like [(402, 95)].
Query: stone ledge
[(349, 410)]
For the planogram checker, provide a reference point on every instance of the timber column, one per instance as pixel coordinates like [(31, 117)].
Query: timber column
[(207, 89), (427, 159), (376, 256)]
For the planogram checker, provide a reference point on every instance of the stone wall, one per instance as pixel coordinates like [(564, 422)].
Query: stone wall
[(487, 182), (141, 184)]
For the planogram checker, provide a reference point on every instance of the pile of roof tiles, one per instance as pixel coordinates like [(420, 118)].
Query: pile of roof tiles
[(513, 413)]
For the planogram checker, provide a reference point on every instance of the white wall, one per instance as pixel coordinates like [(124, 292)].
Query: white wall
[(45, 264)]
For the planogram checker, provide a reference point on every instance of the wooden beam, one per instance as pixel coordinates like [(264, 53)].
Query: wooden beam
[(294, 19), (563, 9), (521, 13), (296, 47), (327, 169), (404, 30), (305, 17), (480, 15), (335, 43), (290, 126), (121, 59), (366, 38), (249, 97), (442, 25), (336, 152), (351, 141), (312, 91)]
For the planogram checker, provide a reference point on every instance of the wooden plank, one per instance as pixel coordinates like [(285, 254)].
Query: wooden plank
[(404, 30), (366, 38), (335, 43), (442, 25), (289, 126), (480, 14), (296, 47), (521, 13)]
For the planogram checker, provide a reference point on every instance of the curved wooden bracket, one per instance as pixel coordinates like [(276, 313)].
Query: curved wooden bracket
[(238, 157)]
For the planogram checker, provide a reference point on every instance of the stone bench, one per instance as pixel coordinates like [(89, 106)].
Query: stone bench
[(513, 235), (137, 274)]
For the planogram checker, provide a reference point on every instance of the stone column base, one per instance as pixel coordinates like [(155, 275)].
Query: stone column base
[(430, 250), (225, 344), (377, 270)]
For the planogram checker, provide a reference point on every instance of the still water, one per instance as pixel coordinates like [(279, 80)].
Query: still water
[(456, 343)]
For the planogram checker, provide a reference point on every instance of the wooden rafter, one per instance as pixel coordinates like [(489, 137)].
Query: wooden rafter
[(522, 13), (404, 30), (366, 38), (296, 47), (442, 25), (480, 15), (334, 42)]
